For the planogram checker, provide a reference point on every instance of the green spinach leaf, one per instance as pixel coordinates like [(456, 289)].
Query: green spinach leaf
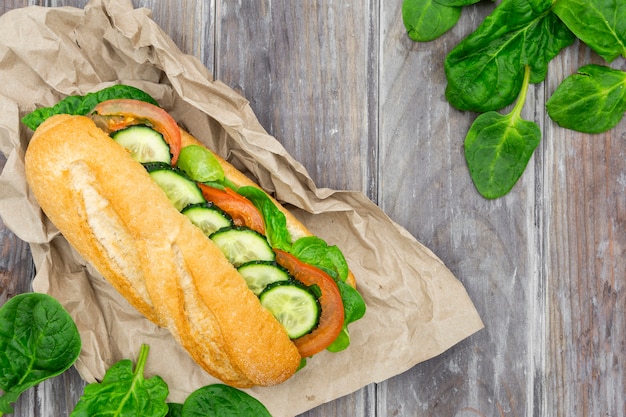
[(125, 392), (592, 101), (485, 71), (341, 342), (353, 304), (38, 340), (82, 105), (354, 309), (426, 20), (220, 400), (601, 24), (498, 148), (457, 3), (315, 251), (174, 410), (275, 221)]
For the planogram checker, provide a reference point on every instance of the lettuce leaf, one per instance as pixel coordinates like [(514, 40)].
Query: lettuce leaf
[(82, 105)]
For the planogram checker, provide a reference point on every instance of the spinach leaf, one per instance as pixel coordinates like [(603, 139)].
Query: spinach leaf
[(82, 105), (353, 303), (174, 410), (341, 342), (315, 251), (38, 340), (426, 20), (275, 222), (124, 392), (592, 101), (458, 3), (498, 147), (485, 71), (354, 309), (601, 24), (220, 400)]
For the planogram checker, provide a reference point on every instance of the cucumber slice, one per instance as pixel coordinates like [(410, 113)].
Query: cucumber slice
[(241, 245), (259, 274), (180, 190), (144, 144), (207, 217), (293, 305)]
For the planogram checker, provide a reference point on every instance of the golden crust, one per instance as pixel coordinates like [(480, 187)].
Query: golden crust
[(108, 208)]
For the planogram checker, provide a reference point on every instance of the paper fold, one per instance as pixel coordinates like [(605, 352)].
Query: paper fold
[(416, 308)]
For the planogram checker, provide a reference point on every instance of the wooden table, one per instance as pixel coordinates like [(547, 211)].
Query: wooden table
[(363, 107)]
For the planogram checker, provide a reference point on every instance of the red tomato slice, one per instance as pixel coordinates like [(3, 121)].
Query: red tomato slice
[(332, 316), (243, 212), (120, 113)]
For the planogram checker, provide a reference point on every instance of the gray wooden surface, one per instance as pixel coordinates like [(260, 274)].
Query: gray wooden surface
[(362, 107)]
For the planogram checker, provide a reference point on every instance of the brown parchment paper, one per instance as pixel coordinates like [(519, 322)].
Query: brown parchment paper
[(416, 308)]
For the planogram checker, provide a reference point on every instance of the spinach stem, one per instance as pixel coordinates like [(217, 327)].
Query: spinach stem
[(517, 110), (141, 361)]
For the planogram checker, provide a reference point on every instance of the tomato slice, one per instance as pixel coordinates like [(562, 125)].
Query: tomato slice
[(243, 212), (332, 316), (120, 113)]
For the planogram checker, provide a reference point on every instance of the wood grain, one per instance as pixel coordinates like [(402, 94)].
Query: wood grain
[(363, 107), (585, 252), (491, 247), (288, 58)]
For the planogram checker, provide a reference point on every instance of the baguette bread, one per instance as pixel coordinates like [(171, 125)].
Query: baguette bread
[(106, 205)]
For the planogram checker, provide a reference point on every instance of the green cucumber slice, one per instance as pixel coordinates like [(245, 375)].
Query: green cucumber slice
[(293, 305), (259, 274), (241, 244), (144, 144), (180, 190), (208, 217)]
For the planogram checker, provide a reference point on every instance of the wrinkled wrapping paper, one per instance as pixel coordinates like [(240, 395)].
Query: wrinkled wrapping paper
[(416, 308)]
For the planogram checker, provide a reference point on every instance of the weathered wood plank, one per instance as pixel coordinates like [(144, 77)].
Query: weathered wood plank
[(491, 246), (306, 69), (15, 261), (189, 23), (585, 250)]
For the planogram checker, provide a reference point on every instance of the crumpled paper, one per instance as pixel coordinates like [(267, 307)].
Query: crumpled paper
[(416, 308)]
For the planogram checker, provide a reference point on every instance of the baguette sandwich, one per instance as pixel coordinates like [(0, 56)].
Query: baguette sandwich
[(192, 243)]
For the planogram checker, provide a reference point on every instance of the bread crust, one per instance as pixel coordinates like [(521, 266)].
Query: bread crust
[(108, 208)]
